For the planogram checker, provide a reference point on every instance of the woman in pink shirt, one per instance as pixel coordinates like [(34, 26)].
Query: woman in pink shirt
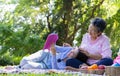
[(95, 45)]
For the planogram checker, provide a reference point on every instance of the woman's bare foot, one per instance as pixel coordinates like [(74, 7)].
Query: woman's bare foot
[(72, 68), (83, 66), (9, 67)]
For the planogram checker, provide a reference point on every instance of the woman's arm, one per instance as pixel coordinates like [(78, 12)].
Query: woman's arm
[(95, 56), (92, 56)]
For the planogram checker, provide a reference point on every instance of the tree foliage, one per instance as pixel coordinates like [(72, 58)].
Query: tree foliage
[(19, 42), (24, 30)]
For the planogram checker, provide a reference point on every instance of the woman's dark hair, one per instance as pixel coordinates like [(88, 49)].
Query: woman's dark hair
[(99, 23)]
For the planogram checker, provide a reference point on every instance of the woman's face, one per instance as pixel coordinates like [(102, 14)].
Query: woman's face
[(92, 30)]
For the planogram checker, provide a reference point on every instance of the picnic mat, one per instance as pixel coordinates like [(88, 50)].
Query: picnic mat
[(14, 70)]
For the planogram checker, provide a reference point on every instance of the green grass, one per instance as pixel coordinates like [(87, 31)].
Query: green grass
[(23, 74)]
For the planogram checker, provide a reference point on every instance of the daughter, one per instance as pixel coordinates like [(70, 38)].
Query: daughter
[(117, 59)]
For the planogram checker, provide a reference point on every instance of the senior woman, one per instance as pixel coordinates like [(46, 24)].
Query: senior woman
[(95, 45)]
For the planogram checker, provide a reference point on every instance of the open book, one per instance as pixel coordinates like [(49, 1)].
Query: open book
[(52, 38)]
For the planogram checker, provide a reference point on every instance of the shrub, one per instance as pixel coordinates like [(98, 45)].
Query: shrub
[(114, 52)]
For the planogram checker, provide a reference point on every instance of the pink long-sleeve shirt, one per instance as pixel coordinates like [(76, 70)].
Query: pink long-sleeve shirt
[(117, 59), (100, 46)]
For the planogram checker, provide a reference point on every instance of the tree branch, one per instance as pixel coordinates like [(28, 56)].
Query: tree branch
[(92, 14), (49, 26)]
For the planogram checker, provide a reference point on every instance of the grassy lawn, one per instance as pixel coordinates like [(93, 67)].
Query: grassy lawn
[(38, 75), (44, 74)]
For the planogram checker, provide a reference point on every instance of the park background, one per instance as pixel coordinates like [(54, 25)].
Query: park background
[(25, 24)]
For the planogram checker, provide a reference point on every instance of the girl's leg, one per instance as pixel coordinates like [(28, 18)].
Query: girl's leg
[(35, 57), (105, 61), (34, 65), (73, 63)]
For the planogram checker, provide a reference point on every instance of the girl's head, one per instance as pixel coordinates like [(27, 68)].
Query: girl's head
[(96, 27)]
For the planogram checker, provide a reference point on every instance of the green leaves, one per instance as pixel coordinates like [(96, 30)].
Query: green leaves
[(113, 30), (25, 29), (19, 42)]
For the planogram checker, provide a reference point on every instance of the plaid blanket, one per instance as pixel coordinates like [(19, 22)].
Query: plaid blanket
[(13, 70)]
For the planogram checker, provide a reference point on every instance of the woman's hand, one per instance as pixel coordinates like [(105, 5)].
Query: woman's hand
[(92, 56)]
